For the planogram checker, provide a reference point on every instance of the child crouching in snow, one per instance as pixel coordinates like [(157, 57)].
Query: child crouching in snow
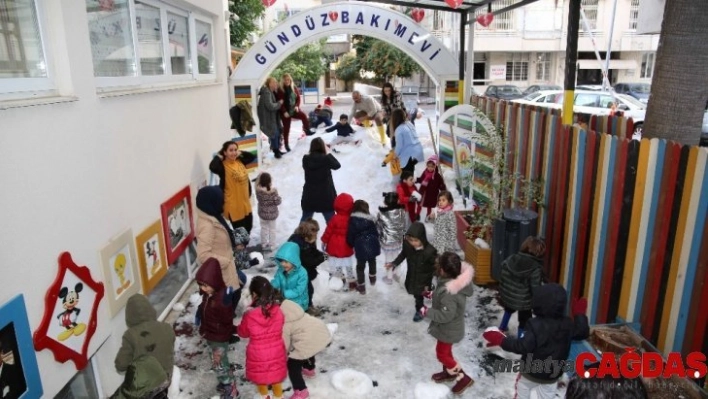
[(364, 237), (304, 337), (266, 358), (420, 257), (305, 236), (392, 223), (445, 224), (447, 317), (334, 241), (291, 278)]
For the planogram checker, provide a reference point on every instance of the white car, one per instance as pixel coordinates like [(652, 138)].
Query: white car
[(540, 98)]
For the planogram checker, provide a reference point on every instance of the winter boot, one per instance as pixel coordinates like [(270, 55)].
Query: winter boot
[(418, 317), (463, 381), (388, 278), (308, 373), (361, 288), (372, 279), (300, 394), (443, 376), (352, 286)]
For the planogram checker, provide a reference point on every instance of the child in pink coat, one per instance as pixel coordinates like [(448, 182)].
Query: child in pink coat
[(266, 357)]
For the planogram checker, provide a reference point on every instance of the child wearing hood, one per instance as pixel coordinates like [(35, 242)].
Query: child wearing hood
[(447, 317), (266, 355), (305, 236), (520, 274), (420, 257), (363, 235), (146, 336), (392, 223), (304, 337), (290, 277), (548, 336), (334, 240), (215, 320), (431, 184)]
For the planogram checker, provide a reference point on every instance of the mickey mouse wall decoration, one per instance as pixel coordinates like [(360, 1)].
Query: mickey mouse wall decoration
[(66, 327)]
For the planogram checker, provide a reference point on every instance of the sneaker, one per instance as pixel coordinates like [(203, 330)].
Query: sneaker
[(300, 394), (309, 373), (418, 317), (387, 280)]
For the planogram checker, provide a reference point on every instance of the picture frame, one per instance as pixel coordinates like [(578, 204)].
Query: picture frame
[(66, 329), (20, 374), (152, 260), (120, 271), (177, 223)]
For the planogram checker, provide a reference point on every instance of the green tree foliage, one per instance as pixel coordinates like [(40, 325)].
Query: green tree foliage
[(348, 68), (248, 11), (383, 59), (308, 63)]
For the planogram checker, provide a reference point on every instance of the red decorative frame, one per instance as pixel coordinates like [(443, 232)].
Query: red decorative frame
[(41, 340), (174, 253)]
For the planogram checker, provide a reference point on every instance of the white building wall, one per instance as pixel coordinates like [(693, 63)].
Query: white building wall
[(76, 173)]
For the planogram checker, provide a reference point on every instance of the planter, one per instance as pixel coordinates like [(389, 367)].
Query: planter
[(481, 259), (462, 227)]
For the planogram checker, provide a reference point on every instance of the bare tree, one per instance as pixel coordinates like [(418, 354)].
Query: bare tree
[(679, 89)]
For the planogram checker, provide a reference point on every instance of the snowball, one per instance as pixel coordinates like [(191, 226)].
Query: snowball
[(178, 307), (332, 327), (352, 382), (416, 195), (195, 299), (257, 255), (335, 284), (174, 389), (429, 390)]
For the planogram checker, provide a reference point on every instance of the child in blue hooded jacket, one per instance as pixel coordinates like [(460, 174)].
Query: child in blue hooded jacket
[(291, 278)]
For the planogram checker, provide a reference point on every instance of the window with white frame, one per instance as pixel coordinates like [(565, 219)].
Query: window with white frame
[(543, 66), (633, 14), (503, 21), (23, 64), (590, 9), (148, 39), (517, 67), (647, 69)]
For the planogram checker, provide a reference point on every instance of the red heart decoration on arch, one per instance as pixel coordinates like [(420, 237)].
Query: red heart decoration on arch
[(485, 19), (454, 3), (268, 3), (333, 15), (417, 14), (395, 23)]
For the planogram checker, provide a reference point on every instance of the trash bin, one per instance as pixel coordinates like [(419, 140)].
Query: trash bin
[(508, 233)]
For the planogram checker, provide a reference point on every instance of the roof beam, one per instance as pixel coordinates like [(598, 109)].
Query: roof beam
[(403, 3), (507, 9)]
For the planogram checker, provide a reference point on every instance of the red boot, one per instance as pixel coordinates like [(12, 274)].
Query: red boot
[(463, 381), (443, 376)]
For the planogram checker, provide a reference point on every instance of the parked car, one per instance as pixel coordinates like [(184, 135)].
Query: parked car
[(549, 97), (537, 88), (640, 91), (589, 87), (503, 92)]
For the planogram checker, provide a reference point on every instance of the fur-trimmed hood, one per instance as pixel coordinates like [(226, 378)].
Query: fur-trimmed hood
[(462, 283), (364, 216)]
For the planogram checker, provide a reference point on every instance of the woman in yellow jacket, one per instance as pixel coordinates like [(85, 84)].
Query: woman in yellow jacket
[(230, 165)]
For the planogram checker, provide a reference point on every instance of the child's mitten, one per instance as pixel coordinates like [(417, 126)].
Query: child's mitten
[(580, 306), (494, 336), (256, 259), (423, 311)]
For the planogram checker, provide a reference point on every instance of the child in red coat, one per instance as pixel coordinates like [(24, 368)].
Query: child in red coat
[(266, 357), (408, 196), (215, 320), (334, 240), (431, 184)]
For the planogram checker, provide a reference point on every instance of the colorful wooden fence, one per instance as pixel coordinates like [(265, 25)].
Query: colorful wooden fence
[(624, 220)]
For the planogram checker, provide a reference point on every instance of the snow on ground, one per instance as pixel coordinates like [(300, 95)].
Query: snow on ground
[(375, 334)]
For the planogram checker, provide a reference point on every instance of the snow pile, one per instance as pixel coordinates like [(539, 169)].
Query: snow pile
[(431, 390), (178, 307), (352, 382), (332, 327), (195, 299)]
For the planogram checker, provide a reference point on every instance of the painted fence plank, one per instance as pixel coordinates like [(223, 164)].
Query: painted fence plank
[(584, 215), (571, 216)]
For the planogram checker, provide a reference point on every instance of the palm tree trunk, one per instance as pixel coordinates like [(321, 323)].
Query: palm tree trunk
[(680, 83)]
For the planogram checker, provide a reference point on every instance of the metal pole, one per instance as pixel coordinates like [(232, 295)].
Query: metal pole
[(609, 42), (571, 59), (469, 77), (461, 56)]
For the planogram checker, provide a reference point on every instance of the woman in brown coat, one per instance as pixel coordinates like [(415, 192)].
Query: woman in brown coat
[(214, 236)]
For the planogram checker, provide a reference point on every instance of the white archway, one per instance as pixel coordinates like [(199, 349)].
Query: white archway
[(354, 17)]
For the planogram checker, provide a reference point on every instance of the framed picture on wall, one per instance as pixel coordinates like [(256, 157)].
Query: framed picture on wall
[(70, 308), (19, 374), (152, 261), (177, 223), (120, 271)]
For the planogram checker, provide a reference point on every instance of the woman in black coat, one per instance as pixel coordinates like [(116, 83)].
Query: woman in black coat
[(318, 193)]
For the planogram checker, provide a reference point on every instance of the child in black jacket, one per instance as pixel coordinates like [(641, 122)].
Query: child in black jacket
[(420, 256), (305, 236), (345, 132), (363, 236), (548, 336)]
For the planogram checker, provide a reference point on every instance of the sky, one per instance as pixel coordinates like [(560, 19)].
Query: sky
[(377, 351)]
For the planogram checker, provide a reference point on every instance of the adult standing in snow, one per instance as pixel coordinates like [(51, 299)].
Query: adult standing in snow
[(318, 193), (408, 148), (290, 108), (269, 114), (390, 100), (365, 109), (230, 165)]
